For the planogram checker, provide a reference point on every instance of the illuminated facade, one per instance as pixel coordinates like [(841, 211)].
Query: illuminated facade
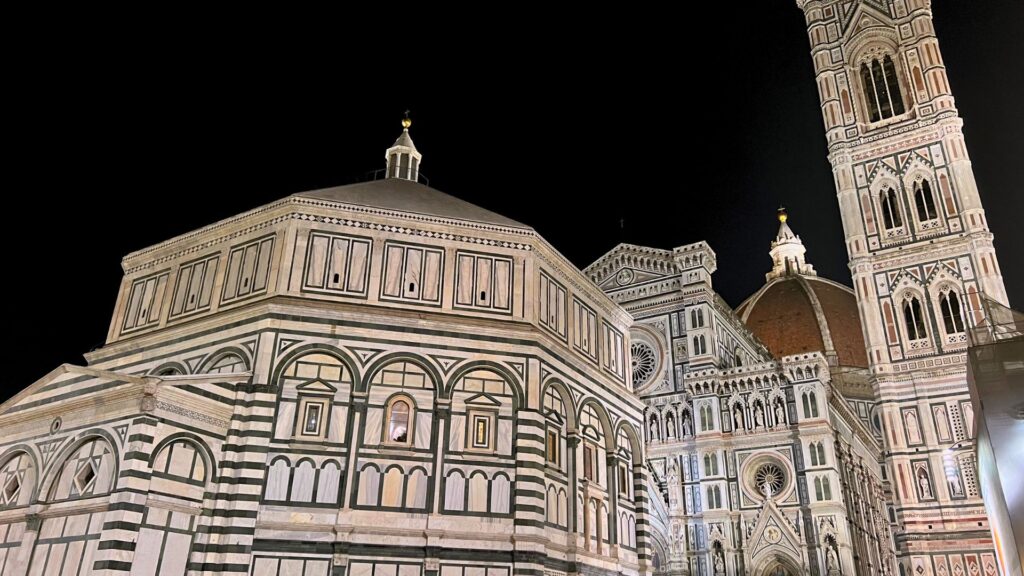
[(382, 380)]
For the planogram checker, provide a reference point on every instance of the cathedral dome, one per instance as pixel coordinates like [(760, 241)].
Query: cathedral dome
[(795, 314), (798, 312)]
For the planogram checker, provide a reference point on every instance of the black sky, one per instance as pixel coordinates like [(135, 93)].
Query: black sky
[(685, 128)]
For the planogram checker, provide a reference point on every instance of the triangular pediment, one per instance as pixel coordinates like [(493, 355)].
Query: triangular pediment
[(862, 15), (482, 400), (773, 533), (628, 265), (67, 382), (316, 386)]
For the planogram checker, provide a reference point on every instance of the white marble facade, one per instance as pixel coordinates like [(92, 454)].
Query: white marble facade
[(382, 380)]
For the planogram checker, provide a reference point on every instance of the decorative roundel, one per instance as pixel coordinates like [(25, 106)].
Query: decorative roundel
[(625, 276), (769, 479), (645, 361)]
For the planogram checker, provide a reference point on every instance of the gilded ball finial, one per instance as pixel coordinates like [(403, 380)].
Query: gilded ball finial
[(406, 122), (782, 214)]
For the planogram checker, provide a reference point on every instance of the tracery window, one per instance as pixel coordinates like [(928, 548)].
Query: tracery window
[(890, 209), (925, 201), (914, 318), (952, 319), (881, 88)]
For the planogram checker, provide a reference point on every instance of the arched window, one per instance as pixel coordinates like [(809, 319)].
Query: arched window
[(890, 209), (710, 464), (817, 490), (707, 422), (826, 488), (226, 364), (952, 319), (925, 201), (914, 318), (17, 480), (881, 88), (814, 454), (821, 454), (399, 419), (714, 497), (810, 402)]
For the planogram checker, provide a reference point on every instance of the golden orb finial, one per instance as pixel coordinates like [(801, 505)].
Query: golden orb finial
[(782, 214), (406, 122)]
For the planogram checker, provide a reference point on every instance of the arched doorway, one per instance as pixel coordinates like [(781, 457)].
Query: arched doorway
[(778, 565)]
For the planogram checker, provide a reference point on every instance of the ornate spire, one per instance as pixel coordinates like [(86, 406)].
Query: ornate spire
[(788, 252), (403, 159)]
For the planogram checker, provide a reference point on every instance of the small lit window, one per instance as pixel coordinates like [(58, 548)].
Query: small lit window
[(481, 431), (311, 414), (312, 419), (552, 450), (399, 420), (625, 487)]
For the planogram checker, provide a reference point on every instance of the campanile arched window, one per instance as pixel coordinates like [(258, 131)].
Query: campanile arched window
[(890, 209), (952, 319), (914, 318), (881, 88), (925, 201)]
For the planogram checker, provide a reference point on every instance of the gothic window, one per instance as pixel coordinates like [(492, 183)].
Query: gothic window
[(890, 209), (810, 405), (714, 497), (699, 345), (399, 419), (697, 318), (914, 319), (814, 454), (710, 465), (707, 421), (952, 319), (881, 88), (822, 489), (925, 201), (821, 454)]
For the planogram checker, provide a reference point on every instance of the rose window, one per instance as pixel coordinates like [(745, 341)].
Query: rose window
[(769, 479), (644, 363)]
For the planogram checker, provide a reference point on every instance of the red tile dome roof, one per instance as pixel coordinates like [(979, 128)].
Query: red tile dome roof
[(795, 314)]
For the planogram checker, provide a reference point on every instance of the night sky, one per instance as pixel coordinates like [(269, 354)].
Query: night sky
[(682, 128)]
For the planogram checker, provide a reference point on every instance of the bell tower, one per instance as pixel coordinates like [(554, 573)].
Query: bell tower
[(921, 257)]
